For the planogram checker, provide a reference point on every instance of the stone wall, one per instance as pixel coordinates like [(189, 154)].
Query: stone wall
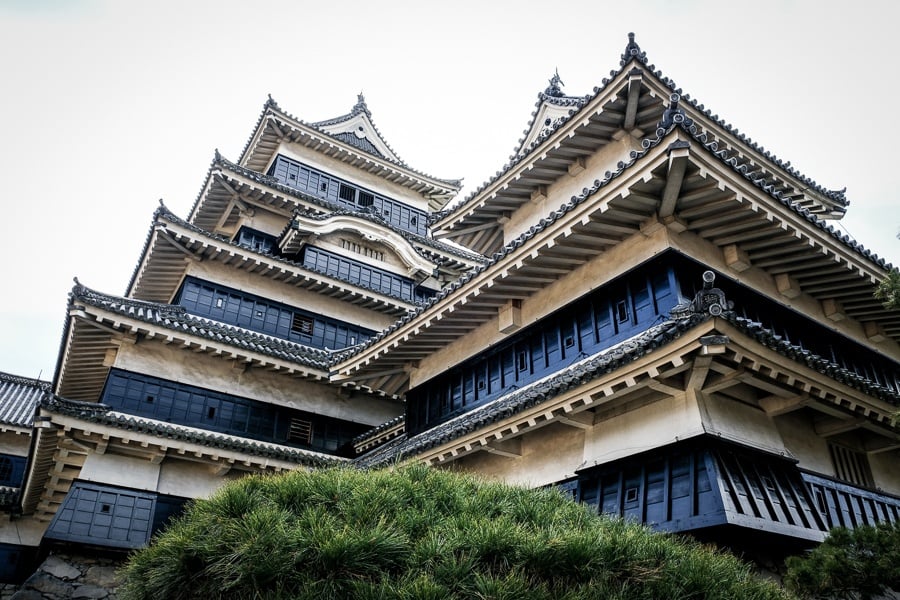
[(68, 576)]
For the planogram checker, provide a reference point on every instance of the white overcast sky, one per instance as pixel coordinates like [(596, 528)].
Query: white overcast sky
[(109, 105)]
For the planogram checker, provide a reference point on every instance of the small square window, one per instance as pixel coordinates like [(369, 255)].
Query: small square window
[(621, 311), (631, 494)]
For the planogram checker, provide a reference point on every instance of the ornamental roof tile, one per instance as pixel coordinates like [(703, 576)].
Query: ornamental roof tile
[(102, 414), (176, 318), (19, 397)]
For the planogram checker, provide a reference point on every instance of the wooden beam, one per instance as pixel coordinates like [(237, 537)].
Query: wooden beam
[(775, 406), (678, 160), (831, 427), (508, 448), (634, 95), (582, 420)]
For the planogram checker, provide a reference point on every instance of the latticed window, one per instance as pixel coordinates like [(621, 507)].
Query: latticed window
[(300, 431), (851, 465)]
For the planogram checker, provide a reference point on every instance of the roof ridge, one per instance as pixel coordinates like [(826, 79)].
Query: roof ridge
[(174, 317), (22, 380), (270, 181), (96, 412), (633, 52), (360, 108)]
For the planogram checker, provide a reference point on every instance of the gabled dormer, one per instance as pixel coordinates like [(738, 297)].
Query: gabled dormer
[(572, 142), (348, 146)]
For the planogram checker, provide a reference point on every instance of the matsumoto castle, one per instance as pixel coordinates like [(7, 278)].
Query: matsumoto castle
[(643, 308)]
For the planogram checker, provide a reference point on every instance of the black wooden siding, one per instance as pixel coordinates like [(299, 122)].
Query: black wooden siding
[(596, 322), (110, 516), (343, 193), (228, 305), (705, 483), (359, 273), (845, 505), (672, 493), (182, 404)]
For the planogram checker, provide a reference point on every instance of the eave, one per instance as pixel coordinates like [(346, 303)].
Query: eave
[(174, 244), (65, 434), (610, 115), (277, 127), (94, 333), (684, 195), (713, 357), (303, 227), (631, 103), (231, 190)]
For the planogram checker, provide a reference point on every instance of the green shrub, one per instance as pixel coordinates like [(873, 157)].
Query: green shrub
[(420, 534), (860, 563)]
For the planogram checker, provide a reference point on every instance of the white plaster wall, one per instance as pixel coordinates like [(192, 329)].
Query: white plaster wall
[(549, 454), (202, 370), (802, 442), (391, 261), (886, 471), (738, 422), (657, 424), (264, 220), (288, 294), (593, 274), (191, 479), (352, 174), (22, 530), (15, 444), (124, 471), (562, 190)]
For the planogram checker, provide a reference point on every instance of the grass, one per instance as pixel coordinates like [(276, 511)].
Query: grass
[(421, 534)]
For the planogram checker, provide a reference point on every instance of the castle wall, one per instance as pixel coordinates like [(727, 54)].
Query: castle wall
[(209, 372)]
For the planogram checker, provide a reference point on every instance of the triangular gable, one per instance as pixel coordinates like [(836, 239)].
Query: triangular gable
[(351, 138), (357, 129), (552, 108)]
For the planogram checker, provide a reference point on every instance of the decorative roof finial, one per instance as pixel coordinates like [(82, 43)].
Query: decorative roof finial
[(632, 50), (555, 87), (360, 106)]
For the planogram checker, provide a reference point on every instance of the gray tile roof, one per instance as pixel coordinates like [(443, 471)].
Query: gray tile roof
[(164, 212), (102, 414), (19, 397), (532, 394), (220, 161), (609, 360), (176, 318), (633, 53), (270, 106)]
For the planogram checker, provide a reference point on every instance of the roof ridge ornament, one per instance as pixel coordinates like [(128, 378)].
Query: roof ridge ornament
[(632, 50), (673, 115), (360, 106), (555, 87), (708, 301)]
